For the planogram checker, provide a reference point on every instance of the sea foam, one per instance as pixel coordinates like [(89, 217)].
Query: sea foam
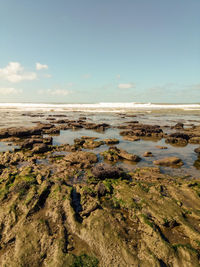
[(98, 107)]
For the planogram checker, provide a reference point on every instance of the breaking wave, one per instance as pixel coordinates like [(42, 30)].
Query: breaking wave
[(98, 107)]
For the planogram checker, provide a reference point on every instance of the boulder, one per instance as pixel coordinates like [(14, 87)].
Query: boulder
[(103, 171), (125, 155), (169, 161)]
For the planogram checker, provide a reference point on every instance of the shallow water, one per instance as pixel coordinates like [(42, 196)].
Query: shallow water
[(186, 153), (12, 118)]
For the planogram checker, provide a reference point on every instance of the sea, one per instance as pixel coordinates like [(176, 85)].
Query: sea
[(115, 114)]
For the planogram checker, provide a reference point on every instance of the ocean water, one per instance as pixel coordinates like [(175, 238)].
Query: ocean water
[(115, 114)]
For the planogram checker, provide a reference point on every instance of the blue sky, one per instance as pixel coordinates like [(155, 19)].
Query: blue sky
[(100, 51)]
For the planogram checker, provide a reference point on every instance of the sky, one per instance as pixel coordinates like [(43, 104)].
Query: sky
[(90, 51)]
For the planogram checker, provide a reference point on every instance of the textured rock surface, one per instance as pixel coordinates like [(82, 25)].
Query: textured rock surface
[(169, 161), (150, 220)]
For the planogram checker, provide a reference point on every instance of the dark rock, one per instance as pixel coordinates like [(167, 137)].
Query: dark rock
[(180, 135), (179, 125), (4, 133), (197, 150), (136, 129), (101, 190), (148, 154), (103, 171)]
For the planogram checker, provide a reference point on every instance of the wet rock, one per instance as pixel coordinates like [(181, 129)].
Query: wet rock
[(128, 156), (195, 140), (54, 130), (162, 147), (4, 133), (103, 171), (114, 154), (111, 141), (94, 126), (62, 121), (79, 141), (169, 161), (147, 154), (197, 164), (177, 138), (131, 138), (176, 141), (20, 132), (180, 135), (197, 150), (40, 148), (88, 143), (141, 130), (91, 144), (29, 143), (88, 138), (179, 125)]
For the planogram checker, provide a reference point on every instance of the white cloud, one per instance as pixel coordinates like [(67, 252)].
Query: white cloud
[(10, 91), (15, 73), (54, 92), (126, 85), (40, 66)]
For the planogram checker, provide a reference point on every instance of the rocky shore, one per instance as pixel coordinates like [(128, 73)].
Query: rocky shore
[(67, 205)]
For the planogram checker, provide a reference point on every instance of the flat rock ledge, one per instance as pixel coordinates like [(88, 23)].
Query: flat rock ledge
[(169, 161)]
